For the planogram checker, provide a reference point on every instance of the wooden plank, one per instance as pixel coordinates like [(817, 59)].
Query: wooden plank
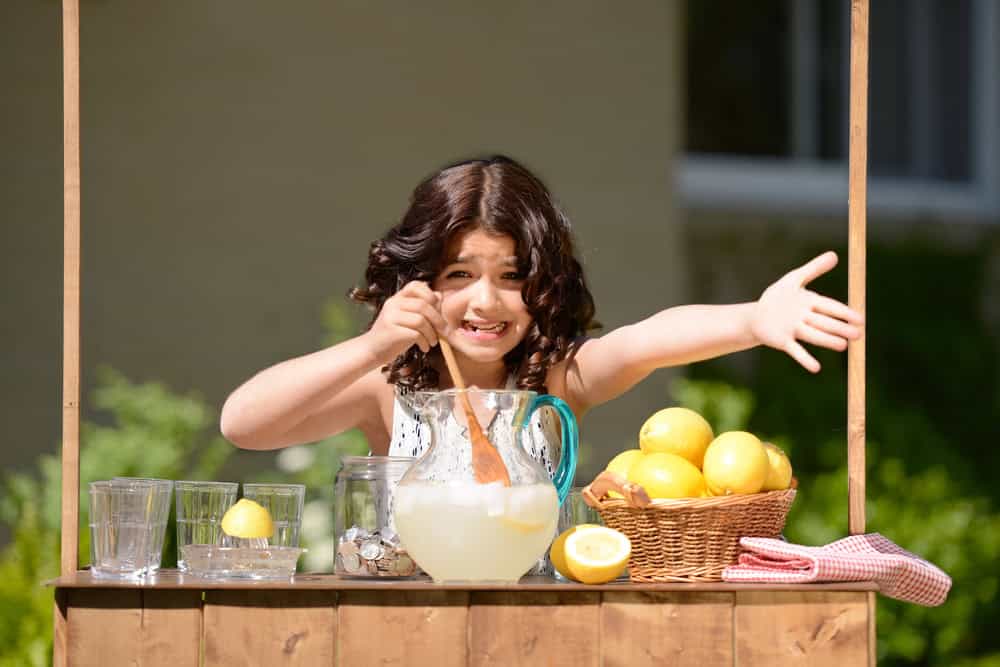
[(145, 628), (269, 627), (676, 629), (856, 255), (815, 629), (402, 628), (103, 627), (59, 628), (170, 629), (70, 510), (534, 629), (872, 634)]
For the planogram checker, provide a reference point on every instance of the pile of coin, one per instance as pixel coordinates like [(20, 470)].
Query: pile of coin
[(361, 553)]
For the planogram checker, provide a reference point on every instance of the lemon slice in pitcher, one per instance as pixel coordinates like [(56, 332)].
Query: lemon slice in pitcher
[(247, 519), (596, 555), (530, 509)]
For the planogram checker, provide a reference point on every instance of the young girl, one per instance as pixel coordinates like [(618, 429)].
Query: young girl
[(484, 258)]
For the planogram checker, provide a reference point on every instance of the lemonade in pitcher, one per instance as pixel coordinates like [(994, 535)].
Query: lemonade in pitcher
[(476, 532), (459, 529)]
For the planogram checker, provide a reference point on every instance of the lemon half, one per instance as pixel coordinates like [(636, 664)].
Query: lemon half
[(247, 519), (557, 552), (596, 555)]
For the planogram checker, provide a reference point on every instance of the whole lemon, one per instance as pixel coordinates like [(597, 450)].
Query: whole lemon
[(557, 552), (735, 462), (779, 469), (621, 464), (677, 431), (665, 475)]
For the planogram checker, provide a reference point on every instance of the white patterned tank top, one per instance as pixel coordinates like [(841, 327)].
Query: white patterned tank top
[(411, 435)]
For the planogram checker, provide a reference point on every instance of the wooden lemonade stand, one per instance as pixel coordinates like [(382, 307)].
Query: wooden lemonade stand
[(324, 619)]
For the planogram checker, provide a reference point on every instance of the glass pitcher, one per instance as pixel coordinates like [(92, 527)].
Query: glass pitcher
[(460, 530)]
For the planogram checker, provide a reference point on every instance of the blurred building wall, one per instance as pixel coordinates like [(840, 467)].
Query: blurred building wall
[(238, 157)]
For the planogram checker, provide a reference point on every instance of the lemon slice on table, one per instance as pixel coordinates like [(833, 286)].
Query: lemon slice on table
[(247, 519), (596, 555)]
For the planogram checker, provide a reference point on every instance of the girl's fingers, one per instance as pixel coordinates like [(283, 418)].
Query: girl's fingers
[(421, 290), (834, 308), (412, 286), (415, 322), (799, 354), (816, 267), (433, 315), (833, 326), (814, 336), (427, 311)]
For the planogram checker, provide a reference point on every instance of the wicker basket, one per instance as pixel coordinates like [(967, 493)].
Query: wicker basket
[(690, 539)]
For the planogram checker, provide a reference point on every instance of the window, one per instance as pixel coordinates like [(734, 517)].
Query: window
[(767, 105)]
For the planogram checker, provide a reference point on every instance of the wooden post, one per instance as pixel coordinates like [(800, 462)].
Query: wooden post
[(70, 515), (71, 288), (857, 196)]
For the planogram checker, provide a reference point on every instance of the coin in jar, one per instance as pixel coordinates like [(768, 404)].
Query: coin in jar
[(352, 563), (371, 551)]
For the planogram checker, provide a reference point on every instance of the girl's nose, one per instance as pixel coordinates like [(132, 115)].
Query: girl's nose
[(484, 294)]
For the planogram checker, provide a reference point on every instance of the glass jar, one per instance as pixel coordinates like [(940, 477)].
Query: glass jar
[(366, 541)]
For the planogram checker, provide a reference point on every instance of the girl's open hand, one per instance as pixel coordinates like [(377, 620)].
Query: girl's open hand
[(409, 317), (787, 313)]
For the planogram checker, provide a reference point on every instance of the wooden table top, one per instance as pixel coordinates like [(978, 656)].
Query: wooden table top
[(172, 579)]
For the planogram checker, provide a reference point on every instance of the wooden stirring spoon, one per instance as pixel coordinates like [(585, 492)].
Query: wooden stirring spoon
[(486, 462)]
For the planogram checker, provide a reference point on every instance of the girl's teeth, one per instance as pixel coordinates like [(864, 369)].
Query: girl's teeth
[(496, 328)]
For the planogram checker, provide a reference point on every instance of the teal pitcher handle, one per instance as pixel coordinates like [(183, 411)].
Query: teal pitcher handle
[(566, 471)]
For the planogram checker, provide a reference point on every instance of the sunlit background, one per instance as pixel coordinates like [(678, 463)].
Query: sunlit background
[(238, 157)]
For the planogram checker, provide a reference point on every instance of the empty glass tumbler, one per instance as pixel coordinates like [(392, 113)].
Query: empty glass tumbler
[(284, 502), (160, 501), (200, 508), (121, 525)]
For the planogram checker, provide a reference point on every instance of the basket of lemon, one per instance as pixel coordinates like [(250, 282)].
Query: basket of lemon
[(686, 497)]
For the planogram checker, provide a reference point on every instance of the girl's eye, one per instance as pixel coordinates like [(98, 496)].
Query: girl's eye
[(513, 275), (457, 274)]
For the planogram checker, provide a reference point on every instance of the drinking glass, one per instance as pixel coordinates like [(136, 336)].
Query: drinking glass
[(160, 502), (121, 522), (284, 502), (200, 508), (575, 511)]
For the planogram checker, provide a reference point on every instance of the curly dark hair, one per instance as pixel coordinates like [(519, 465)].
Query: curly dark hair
[(500, 196)]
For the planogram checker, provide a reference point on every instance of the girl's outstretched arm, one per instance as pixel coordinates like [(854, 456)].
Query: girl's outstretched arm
[(327, 392), (786, 315)]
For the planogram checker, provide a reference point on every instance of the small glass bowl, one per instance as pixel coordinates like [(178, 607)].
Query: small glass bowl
[(218, 562)]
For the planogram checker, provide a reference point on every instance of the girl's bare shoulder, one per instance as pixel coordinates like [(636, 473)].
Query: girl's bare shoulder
[(562, 379)]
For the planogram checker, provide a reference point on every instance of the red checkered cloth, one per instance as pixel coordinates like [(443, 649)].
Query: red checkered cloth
[(871, 557)]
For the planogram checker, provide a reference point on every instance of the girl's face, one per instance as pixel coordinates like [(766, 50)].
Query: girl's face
[(481, 296)]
